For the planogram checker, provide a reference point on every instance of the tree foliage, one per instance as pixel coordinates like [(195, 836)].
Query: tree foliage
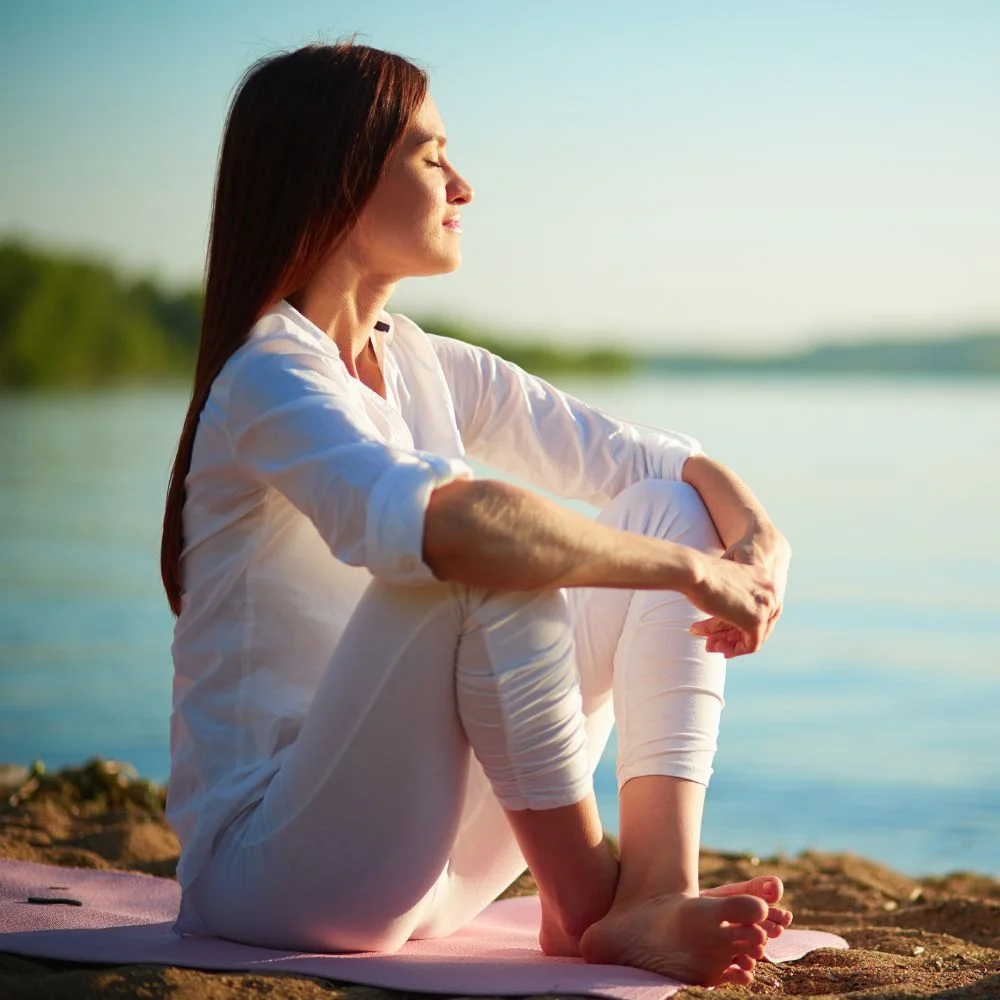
[(68, 321), (74, 321), (71, 321), (536, 355)]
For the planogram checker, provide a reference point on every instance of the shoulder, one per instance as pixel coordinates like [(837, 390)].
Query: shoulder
[(417, 346), (408, 333), (450, 352), (405, 328), (279, 361), (277, 340), (409, 338)]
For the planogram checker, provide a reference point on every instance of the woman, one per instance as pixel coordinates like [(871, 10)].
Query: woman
[(393, 681)]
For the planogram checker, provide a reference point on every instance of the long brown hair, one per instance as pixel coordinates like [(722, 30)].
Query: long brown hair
[(307, 137)]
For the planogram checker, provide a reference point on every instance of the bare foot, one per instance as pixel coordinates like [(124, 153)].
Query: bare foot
[(696, 939), (554, 941), (765, 887)]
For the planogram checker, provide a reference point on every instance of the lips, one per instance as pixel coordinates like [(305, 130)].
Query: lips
[(454, 224)]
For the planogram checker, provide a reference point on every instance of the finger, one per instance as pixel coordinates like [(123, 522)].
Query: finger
[(772, 621), (723, 642), (728, 649), (709, 626), (750, 641), (766, 600), (729, 634), (731, 649)]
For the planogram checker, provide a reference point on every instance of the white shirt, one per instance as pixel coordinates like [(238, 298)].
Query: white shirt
[(304, 483)]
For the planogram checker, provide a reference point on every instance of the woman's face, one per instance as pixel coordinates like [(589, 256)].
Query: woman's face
[(410, 225)]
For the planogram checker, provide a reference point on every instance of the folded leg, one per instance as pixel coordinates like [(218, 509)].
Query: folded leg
[(349, 847)]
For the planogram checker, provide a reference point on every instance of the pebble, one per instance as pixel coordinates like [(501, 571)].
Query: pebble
[(12, 776)]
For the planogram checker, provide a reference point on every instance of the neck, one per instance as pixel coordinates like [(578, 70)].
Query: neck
[(346, 306)]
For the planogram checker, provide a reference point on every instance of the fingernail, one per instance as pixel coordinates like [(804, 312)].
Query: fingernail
[(769, 885)]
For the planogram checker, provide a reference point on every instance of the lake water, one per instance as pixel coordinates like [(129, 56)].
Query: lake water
[(869, 723)]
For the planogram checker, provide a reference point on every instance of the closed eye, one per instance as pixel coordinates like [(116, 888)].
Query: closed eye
[(433, 163)]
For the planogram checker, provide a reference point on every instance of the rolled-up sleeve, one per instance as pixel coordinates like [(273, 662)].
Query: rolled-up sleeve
[(296, 425), (523, 425)]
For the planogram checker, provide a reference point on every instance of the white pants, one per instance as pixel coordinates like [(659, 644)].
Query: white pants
[(443, 705)]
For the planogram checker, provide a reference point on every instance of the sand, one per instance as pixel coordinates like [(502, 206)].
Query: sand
[(936, 937)]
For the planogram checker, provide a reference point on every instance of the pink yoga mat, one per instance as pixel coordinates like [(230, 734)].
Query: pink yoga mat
[(125, 919)]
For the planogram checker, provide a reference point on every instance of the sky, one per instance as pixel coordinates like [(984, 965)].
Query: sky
[(681, 174)]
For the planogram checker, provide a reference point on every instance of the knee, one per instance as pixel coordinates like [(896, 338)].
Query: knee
[(344, 929), (381, 936), (667, 509)]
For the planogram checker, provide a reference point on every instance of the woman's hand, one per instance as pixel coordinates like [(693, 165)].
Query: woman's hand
[(741, 599), (768, 551)]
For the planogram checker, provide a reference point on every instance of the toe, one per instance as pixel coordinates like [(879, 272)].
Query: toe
[(749, 949), (747, 940), (743, 909), (766, 887), (737, 976), (777, 920), (770, 888)]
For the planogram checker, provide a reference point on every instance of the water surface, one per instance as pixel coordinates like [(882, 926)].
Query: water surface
[(869, 723)]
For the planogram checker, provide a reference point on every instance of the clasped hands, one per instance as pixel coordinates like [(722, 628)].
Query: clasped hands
[(766, 550)]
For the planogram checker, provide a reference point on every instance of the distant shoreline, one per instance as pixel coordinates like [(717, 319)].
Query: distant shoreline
[(963, 353), (115, 330)]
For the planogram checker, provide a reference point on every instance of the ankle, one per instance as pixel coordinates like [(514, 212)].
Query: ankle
[(632, 891), (574, 906), (571, 860)]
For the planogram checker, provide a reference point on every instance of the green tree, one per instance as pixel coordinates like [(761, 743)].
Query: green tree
[(68, 321)]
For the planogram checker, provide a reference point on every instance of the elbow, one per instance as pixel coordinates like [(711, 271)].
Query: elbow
[(694, 467), (462, 524), (446, 528)]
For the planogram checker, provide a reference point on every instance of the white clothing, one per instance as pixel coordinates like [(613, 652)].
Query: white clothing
[(304, 486), (380, 825)]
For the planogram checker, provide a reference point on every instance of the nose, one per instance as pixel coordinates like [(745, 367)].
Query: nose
[(459, 190)]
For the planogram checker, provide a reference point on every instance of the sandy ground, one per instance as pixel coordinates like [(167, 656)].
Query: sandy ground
[(936, 937)]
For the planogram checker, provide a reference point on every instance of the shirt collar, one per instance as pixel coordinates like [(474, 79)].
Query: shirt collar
[(379, 337)]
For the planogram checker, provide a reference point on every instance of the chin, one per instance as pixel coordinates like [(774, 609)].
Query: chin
[(443, 264)]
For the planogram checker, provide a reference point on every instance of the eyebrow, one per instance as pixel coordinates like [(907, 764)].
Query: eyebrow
[(439, 139)]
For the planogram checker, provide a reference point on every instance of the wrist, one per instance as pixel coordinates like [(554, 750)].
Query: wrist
[(763, 545), (762, 534), (693, 570)]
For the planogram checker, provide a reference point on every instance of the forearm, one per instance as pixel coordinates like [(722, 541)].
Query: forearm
[(735, 511), (491, 534)]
